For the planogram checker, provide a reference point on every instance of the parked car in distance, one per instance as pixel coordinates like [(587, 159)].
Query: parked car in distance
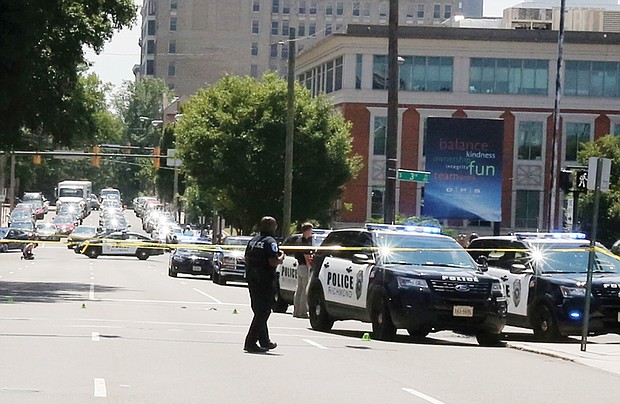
[(79, 234), (121, 243), (232, 260), (46, 232), (64, 224), (93, 203), (13, 239)]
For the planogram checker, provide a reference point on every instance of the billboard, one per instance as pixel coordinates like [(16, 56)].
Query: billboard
[(464, 157)]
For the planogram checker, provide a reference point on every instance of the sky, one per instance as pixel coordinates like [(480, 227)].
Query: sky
[(119, 56)]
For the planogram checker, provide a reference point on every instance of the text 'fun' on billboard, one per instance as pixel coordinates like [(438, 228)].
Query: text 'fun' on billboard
[(464, 157)]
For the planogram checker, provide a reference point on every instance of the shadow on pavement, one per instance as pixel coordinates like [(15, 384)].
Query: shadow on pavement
[(403, 339), (47, 292)]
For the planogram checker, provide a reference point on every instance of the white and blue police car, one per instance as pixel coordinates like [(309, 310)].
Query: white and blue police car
[(406, 277), (545, 280)]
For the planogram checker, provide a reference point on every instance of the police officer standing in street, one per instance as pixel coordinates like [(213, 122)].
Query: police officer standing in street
[(300, 301), (262, 256)]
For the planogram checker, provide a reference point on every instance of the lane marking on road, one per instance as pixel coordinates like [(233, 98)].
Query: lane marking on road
[(423, 396), (171, 302), (208, 295), (11, 273), (95, 337), (316, 344), (100, 389), (183, 283), (91, 293)]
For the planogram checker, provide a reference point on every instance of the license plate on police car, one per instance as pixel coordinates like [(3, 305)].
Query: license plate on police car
[(196, 268), (462, 311)]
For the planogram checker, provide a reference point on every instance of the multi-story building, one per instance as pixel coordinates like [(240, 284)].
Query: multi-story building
[(467, 73), (192, 42)]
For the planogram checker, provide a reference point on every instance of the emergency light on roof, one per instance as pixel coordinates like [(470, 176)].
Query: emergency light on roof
[(402, 227), (559, 236)]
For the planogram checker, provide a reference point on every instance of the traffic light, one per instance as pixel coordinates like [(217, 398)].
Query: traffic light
[(96, 160), (36, 159), (566, 180), (156, 159)]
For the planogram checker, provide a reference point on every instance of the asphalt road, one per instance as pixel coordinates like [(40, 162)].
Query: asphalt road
[(78, 330)]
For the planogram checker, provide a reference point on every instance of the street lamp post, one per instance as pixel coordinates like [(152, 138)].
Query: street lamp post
[(290, 127), (391, 141)]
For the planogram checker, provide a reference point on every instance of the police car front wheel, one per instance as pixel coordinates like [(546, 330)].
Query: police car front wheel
[(544, 324), (382, 326), (319, 318)]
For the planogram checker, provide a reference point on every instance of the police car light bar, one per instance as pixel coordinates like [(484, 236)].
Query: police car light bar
[(401, 227), (561, 236)]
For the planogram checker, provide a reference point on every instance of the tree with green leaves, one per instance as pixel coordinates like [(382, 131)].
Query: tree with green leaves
[(42, 45), (609, 209), (231, 139)]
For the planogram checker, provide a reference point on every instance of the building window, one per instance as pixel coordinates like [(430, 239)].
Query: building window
[(615, 130), (150, 27), (285, 28), (254, 49), (329, 8), (356, 9), (338, 78), (329, 78), (173, 4), (286, 6), (312, 7), (273, 50), (274, 28), (358, 71), (301, 30), (508, 76), (312, 29), (171, 86), (436, 11), (409, 11), (366, 10), (254, 71), (172, 69), (376, 203), (576, 134), (255, 27), (592, 79), (275, 6), (173, 23), (447, 11), (339, 8), (172, 46), (150, 47), (302, 7), (284, 51), (422, 73), (529, 138), (420, 10), (527, 209), (152, 7), (328, 29), (383, 9), (379, 134), (256, 6), (150, 67), (380, 72)]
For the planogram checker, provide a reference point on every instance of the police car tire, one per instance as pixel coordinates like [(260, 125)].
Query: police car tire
[(382, 326), (320, 320), (3, 248), (489, 339), (279, 306), (142, 255), (544, 324), (92, 252), (171, 272)]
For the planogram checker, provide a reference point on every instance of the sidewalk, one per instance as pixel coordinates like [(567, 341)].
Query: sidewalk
[(602, 352)]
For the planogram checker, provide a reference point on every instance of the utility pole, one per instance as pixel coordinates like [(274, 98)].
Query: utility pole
[(391, 141), (290, 127)]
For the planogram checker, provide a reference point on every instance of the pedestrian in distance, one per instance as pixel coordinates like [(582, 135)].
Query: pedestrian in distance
[(304, 257), (262, 256)]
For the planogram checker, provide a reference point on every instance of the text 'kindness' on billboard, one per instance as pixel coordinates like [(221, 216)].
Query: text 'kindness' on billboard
[(464, 157)]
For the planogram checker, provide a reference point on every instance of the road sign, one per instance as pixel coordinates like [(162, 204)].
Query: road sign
[(416, 176), (605, 172), (171, 160)]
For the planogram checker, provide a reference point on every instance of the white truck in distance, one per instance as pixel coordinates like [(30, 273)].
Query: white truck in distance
[(77, 192)]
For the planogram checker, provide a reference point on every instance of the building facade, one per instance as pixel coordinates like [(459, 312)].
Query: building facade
[(467, 73), (188, 43)]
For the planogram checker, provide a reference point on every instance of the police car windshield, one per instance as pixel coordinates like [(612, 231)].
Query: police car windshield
[(423, 250), (571, 258)]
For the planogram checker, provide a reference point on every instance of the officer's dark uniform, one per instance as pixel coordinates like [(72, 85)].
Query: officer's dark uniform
[(262, 282)]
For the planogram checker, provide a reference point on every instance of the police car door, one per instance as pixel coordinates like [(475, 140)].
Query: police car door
[(288, 269), (516, 284), (343, 281)]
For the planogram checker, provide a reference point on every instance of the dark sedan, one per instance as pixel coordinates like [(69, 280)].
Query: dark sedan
[(13, 239), (200, 260)]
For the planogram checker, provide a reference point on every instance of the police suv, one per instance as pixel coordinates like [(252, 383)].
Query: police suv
[(287, 271), (545, 279), (403, 277)]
